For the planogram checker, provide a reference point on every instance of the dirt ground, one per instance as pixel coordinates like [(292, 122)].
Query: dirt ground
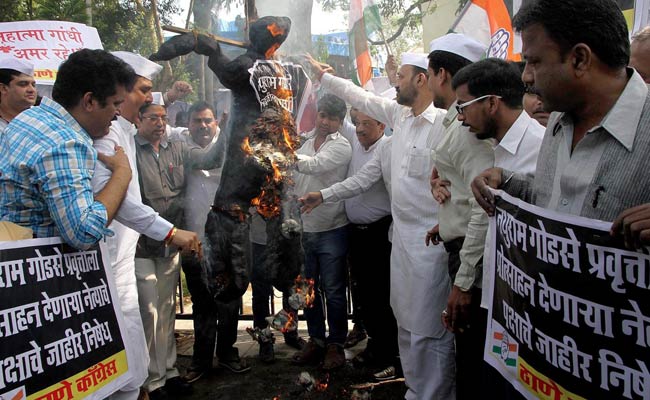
[(278, 381)]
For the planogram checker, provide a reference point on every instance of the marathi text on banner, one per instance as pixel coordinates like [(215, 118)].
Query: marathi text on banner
[(46, 44), (569, 317), (60, 325)]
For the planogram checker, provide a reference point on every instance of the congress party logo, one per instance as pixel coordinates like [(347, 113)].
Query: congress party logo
[(499, 44)]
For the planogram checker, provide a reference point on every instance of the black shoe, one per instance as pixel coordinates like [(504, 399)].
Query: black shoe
[(178, 386), (194, 375), (236, 366), (158, 394)]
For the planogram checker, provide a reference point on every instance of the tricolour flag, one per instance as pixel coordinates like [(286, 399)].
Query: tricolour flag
[(364, 20), (488, 22)]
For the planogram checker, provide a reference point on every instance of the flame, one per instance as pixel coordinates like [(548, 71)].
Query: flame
[(277, 175), (269, 53), (275, 29), (321, 386), (246, 147), (287, 138), (306, 288), (287, 327)]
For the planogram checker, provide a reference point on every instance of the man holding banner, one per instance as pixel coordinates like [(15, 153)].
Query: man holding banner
[(594, 154), (593, 163)]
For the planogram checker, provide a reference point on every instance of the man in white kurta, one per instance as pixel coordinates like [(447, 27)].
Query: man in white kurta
[(419, 280), (132, 219)]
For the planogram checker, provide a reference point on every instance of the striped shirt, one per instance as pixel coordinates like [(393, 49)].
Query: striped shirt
[(47, 161), (607, 171)]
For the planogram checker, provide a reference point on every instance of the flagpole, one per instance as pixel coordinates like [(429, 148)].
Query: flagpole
[(381, 33), (460, 16)]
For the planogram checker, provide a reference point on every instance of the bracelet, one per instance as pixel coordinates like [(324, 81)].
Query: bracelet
[(170, 236)]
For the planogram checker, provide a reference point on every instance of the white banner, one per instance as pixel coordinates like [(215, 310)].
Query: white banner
[(46, 44)]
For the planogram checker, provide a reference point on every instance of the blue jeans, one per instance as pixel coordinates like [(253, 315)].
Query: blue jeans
[(325, 262)]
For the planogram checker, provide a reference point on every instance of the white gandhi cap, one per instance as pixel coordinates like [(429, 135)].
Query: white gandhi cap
[(417, 59), (459, 44), (24, 67), (143, 67)]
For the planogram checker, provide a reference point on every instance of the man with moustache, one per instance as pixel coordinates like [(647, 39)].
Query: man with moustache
[(370, 220), (595, 149), (419, 281), (162, 166), (47, 159), (133, 218), (17, 88), (215, 322), (462, 222)]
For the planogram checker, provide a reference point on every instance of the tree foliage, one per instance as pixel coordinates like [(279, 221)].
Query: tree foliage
[(405, 15)]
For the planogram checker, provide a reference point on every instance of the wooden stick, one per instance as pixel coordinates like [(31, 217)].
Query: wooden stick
[(381, 33), (221, 39), (370, 385)]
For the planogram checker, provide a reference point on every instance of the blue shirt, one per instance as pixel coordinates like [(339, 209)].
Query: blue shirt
[(47, 161)]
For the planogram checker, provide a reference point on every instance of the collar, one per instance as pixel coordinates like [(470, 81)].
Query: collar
[(622, 120), (515, 134), (374, 145), (331, 136), (142, 141), (451, 115), (60, 112), (429, 113)]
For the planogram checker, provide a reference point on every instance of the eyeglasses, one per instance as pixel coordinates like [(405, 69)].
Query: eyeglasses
[(460, 107), (156, 118), (206, 121)]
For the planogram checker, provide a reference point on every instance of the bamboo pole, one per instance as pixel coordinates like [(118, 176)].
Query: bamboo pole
[(220, 39)]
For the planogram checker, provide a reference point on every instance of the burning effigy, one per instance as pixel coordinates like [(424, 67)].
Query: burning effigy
[(261, 139)]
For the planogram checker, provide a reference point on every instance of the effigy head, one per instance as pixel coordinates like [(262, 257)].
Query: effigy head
[(268, 33)]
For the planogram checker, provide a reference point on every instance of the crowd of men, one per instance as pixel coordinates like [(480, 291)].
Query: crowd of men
[(405, 216)]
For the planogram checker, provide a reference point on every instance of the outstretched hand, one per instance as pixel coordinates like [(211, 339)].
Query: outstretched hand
[(318, 67), (310, 201), (439, 187)]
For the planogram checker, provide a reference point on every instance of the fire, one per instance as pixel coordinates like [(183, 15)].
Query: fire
[(321, 386), (305, 287), (287, 138), (277, 175), (290, 322), (275, 29), (246, 147), (269, 53)]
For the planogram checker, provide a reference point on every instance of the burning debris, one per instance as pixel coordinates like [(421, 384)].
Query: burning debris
[(260, 147), (261, 335), (309, 383)]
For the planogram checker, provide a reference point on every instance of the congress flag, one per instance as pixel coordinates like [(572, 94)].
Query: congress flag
[(364, 20), (488, 22)]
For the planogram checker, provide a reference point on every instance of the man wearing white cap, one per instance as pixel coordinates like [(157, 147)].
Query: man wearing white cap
[(17, 89), (459, 157), (132, 219), (419, 280)]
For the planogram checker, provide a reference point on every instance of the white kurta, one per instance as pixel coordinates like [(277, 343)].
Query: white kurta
[(419, 279), (122, 247)]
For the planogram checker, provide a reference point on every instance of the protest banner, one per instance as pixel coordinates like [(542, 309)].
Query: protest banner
[(569, 316), (46, 44), (60, 323)]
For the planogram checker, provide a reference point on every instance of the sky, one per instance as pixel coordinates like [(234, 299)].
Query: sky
[(321, 22)]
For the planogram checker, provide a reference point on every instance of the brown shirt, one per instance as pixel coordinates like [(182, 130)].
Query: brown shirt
[(162, 182)]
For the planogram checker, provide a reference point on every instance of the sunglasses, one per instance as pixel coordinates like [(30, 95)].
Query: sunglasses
[(460, 107)]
